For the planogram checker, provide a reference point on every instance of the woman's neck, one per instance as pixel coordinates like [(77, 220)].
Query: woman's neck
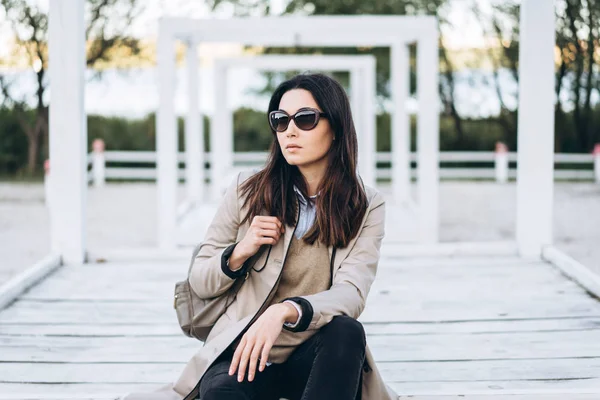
[(313, 176)]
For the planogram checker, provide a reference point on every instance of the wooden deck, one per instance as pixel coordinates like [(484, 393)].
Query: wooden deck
[(440, 328)]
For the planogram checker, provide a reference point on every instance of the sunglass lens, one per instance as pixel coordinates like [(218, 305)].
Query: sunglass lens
[(279, 121), (306, 120)]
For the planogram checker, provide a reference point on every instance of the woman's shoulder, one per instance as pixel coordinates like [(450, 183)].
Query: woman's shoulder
[(245, 174), (374, 196), (237, 179), (238, 176)]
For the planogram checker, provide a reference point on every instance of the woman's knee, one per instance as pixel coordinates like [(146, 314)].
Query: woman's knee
[(218, 384), (346, 331), (223, 387), (223, 393)]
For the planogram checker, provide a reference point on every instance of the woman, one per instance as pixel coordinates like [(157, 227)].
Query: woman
[(305, 235)]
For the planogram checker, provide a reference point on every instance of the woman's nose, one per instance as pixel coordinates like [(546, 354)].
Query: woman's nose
[(292, 129)]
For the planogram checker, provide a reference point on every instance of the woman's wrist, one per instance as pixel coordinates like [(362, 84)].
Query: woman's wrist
[(237, 259), (288, 312)]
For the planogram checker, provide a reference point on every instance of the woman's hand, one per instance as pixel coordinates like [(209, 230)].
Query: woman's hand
[(258, 341), (263, 230)]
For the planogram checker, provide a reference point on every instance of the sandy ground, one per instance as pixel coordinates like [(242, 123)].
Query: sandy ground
[(122, 215)]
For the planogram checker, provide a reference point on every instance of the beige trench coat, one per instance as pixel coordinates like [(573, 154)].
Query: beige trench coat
[(354, 270)]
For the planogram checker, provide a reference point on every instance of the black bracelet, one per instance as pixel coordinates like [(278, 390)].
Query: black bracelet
[(225, 264), (307, 314)]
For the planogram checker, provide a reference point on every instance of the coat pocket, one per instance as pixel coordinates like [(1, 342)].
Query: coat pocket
[(197, 316)]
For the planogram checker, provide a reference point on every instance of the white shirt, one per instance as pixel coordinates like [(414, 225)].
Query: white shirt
[(308, 213)]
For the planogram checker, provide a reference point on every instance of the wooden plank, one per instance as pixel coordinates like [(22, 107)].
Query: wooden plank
[(498, 389), (505, 346), (506, 396), (398, 243), (452, 262), (392, 309), (505, 326), (372, 328), (93, 329), (108, 289), (484, 390), (430, 371), (466, 282), (450, 347), (42, 396), (437, 328), (378, 309), (21, 282), (490, 370), (83, 391), (177, 268), (573, 269), (466, 288), (158, 271), (100, 373), (76, 391)]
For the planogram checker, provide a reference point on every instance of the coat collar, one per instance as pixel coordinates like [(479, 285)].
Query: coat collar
[(301, 196)]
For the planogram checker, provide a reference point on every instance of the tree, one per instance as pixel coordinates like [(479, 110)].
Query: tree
[(577, 38), (502, 26), (107, 21), (576, 78)]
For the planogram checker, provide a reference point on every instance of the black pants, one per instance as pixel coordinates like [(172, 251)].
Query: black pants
[(326, 366)]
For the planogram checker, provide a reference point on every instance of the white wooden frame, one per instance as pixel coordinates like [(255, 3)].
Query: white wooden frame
[(536, 116), (329, 31), (255, 159), (535, 135), (68, 131), (362, 99)]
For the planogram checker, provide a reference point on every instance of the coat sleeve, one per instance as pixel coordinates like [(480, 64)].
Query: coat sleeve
[(209, 274), (353, 280)]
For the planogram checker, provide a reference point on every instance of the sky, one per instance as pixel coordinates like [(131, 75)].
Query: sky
[(105, 96), (464, 34)]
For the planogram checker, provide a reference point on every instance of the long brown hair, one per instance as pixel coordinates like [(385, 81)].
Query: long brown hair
[(342, 201)]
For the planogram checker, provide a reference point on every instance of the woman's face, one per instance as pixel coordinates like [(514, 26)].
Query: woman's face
[(313, 144)]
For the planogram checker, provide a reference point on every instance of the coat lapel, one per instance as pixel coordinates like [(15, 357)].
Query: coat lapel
[(287, 235), (341, 253)]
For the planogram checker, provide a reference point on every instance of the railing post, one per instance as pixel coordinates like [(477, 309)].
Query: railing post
[(428, 135), (535, 139), (98, 163), (48, 201), (596, 153), (47, 178), (501, 162)]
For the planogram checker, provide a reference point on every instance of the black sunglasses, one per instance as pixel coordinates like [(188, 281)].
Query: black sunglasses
[(305, 119)]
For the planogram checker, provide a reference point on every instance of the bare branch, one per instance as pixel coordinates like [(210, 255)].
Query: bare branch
[(103, 43)]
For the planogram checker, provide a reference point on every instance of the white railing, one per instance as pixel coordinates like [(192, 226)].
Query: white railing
[(501, 165)]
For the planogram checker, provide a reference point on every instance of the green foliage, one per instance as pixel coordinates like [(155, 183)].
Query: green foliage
[(108, 35), (122, 134), (13, 144), (251, 130), (133, 134), (251, 133)]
